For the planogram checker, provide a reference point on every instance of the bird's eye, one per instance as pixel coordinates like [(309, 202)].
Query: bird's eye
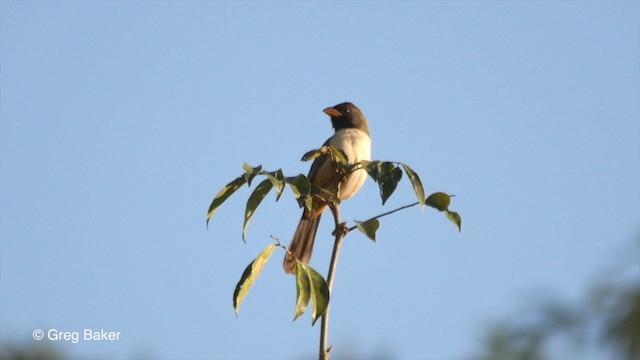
[(348, 110)]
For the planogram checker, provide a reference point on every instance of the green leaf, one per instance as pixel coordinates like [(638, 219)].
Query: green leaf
[(455, 218), (319, 294), (416, 183), (300, 186), (308, 203), (251, 172), (310, 285), (372, 168), (338, 156), (329, 195), (254, 200), (388, 177), (439, 201), (314, 154), (363, 164), (224, 195), (303, 290), (277, 179), (369, 228), (249, 276)]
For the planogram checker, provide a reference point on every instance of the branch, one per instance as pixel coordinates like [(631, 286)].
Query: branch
[(387, 213), (340, 232)]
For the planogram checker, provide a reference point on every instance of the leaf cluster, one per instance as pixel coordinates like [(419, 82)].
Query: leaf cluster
[(300, 185), (310, 285), (387, 175)]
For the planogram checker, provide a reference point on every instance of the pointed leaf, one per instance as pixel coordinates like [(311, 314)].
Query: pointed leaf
[(388, 178), (416, 183), (254, 200), (338, 156), (319, 294), (372, 168), (300, 186), (369, 228), (308, 203), (328, 195), (303, 290), (455, 218), (224, 195), (251, 172), (439, 201), (313, 154), (249, 276), (277, 179), (359, 165)]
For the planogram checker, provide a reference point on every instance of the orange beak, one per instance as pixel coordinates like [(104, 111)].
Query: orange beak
[(332, 112)]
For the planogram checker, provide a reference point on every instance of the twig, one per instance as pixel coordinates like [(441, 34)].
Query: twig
[(387, 213), (340, 232)]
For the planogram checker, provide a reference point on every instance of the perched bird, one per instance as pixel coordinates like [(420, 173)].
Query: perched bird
[(351, 136)]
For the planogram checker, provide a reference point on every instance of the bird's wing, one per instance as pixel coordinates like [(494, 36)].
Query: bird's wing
[(321, 173)]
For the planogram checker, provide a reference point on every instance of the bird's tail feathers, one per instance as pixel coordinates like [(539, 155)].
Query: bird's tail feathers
[(301, 246)]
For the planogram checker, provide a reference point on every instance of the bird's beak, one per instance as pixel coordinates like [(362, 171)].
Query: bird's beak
[(332, 112)]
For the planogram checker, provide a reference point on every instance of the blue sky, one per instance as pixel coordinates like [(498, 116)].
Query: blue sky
[(120, 121)]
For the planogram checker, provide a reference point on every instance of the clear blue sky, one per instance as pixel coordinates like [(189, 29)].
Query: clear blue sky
[(120, 121)]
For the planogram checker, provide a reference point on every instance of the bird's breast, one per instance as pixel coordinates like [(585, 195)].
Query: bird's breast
[(356, 144)]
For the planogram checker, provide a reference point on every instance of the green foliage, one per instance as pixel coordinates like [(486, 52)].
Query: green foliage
[(416, 183), (254, 200), (319, 290), (277, 180), (337, 156), (314, 154), (454, 218), (387, 175), (303, 290), (369, 228), (300, 186), (440, 201), (311, 287), (608, 314), (620, 308), (224, 195), (251, 172), (250, 275), (31, 351)]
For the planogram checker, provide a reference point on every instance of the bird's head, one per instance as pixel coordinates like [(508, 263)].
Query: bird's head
[(346, 116)]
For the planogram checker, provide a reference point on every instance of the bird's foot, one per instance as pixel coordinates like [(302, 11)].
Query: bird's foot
[(341, 230)]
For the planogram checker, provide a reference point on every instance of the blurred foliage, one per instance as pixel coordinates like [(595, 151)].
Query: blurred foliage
[(37, 352), (606, 320)]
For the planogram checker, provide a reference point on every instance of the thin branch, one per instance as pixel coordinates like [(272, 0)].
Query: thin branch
[(340, 232), (387, 213)]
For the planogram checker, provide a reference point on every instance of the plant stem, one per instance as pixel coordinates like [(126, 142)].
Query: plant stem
[(341, 232), (387, 213)]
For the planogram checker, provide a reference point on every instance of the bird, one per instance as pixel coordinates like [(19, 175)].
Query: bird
[(352, 137)]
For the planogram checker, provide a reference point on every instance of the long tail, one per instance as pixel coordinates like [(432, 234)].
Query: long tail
[(301, 246)]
